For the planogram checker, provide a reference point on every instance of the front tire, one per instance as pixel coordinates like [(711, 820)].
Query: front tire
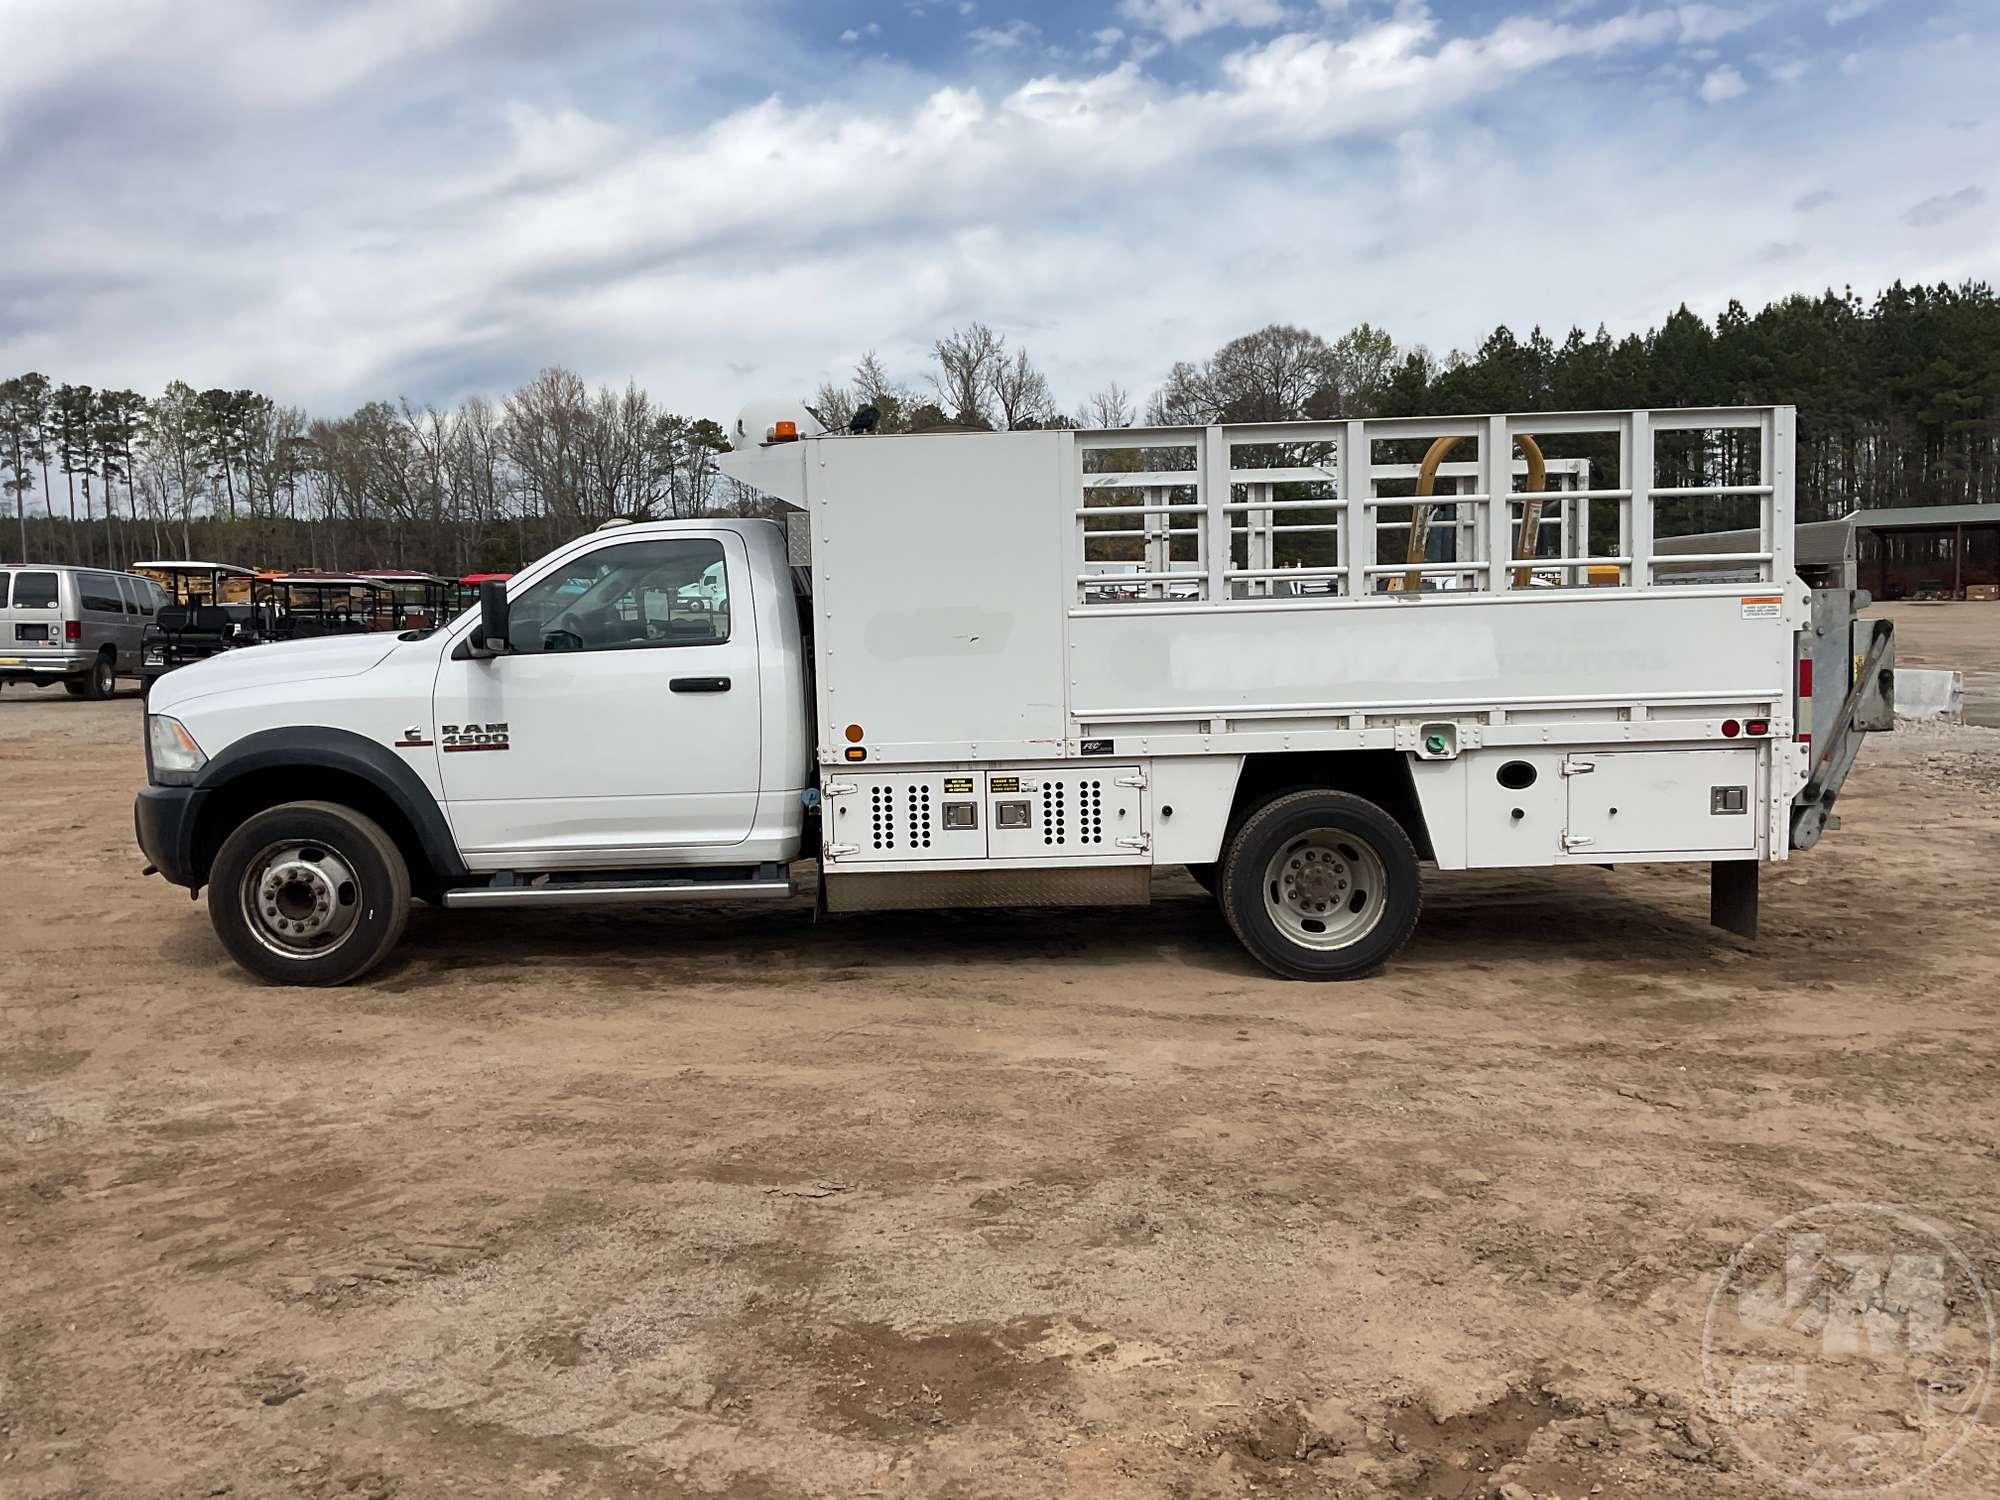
[(1321, 885), (309, 893)]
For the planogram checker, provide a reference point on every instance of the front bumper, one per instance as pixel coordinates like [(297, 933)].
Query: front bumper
[(164, 818)]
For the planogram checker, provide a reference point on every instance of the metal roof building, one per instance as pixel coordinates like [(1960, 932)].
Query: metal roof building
[(1899, 552), (1930, 551)]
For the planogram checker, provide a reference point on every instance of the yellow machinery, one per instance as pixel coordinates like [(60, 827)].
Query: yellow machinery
[(1421, 512)]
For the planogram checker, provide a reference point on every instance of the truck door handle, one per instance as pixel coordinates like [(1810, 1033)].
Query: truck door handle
[(700, 684)]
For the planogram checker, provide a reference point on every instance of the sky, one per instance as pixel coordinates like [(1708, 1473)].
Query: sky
[(334, 201)]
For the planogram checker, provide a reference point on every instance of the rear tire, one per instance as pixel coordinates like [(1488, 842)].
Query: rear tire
[(102, 680), (309, 893), (1321, 885)]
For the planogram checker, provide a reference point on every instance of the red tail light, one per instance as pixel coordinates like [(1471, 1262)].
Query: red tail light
[(1805, 676), (1757, 726), (72, 630), (1730, 729)]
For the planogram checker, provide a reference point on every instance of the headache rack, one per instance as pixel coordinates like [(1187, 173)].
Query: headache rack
[(1302, 510)]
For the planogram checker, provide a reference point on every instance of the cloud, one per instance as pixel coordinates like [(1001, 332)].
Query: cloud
[(1819, 198), (713, 210), (1849, 10), (1179, 20), (1710, 23), (1002, 38), (1722, 84), (1944, 207), (1104, 42)]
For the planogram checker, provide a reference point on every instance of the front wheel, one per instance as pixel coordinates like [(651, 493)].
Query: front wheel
[(309, 893), (1321, 885)]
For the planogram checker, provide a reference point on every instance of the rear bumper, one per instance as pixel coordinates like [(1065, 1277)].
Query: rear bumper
[(164, 818), (42, 664)]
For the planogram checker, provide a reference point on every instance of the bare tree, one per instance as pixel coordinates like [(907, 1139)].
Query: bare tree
[(833, 406), (1020, 392), (1277, 374), (545, 431), (1110, 407), (967, 360)]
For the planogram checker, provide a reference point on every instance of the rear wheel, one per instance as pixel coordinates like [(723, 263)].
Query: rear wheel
[(102, 680), (309, 893), (1321, 885)]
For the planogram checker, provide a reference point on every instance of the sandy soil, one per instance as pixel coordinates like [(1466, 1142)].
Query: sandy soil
[(1962, 637), (997, 1205)]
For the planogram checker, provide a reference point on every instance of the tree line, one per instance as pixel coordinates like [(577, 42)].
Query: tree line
[(233, 476), (1898, 398)]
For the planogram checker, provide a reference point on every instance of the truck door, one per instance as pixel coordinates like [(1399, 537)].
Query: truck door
[(625, 720)]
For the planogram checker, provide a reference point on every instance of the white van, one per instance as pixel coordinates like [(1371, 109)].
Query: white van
[(77, 626)]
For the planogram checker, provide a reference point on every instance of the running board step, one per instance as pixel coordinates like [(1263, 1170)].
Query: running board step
[(621, 893)]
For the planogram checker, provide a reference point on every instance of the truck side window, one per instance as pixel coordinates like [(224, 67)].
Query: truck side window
[(633, 594)]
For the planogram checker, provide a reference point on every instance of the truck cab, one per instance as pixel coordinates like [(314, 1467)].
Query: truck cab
[(641, 718)]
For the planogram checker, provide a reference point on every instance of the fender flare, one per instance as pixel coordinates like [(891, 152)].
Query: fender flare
[(306, 747)]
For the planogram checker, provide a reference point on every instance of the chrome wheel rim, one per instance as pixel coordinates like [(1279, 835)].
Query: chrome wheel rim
[(1326, 889), (300, 898), (107, 678)]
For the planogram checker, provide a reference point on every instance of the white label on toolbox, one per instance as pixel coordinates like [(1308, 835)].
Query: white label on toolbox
[(1763, 606)]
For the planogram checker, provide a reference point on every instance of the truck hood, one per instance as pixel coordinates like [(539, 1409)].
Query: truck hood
[(267, 666)]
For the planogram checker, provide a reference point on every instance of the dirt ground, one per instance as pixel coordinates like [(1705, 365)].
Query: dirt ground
[(1009, 1205), (1962, 637)]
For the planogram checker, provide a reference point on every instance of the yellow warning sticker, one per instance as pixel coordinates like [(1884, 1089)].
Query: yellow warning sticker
[(1004, 783), (958, 786)]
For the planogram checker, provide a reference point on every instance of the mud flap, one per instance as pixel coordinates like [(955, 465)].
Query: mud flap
[(1732, 896)]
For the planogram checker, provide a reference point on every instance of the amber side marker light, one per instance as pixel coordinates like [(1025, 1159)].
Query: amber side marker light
[(854, 734), (857, 753)]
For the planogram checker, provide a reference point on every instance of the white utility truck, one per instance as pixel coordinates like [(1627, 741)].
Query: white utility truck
[(1029, 668)]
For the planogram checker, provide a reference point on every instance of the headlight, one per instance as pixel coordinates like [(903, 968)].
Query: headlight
[(174, 755)]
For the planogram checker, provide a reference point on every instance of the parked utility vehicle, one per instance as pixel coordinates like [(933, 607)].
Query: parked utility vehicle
[(78, 626), (932, 682)]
